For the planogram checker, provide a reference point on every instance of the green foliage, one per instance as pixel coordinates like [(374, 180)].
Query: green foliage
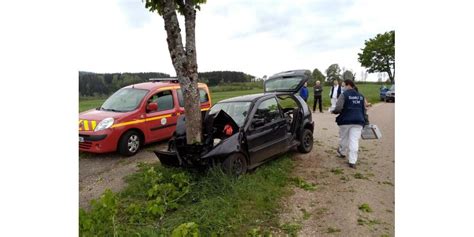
[(221, 78), (348, 75), (378, 54), (185, 230), (333, 73), (365, 207), (359, 176), (337, 171), (104, 84), (367, 221), (291, 228), (301, 183), (306, 214), (317, 76), (101, 219), (156, 5), (158, 200)]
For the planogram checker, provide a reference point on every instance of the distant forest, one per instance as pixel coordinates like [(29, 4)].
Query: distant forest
[(98, 84)]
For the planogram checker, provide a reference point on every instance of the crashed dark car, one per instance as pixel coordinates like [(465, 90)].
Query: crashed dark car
[(243, 132)]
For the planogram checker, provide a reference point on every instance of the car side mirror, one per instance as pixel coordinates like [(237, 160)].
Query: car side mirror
[(152, 107), (258, 122)]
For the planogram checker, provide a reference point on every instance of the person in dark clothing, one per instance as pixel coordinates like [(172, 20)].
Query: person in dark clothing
[(351, 109), (318, 89), (304, 92)]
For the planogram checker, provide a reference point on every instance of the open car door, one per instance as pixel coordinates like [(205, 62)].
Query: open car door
[(289, 81)]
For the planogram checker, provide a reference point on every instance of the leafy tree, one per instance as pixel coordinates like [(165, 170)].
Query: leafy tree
[(318, 76), (333, 73), (182, 56), (348, 74), (378, 55), (217, 77)]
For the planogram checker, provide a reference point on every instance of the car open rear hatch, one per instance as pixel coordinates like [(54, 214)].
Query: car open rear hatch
[(289, 81)]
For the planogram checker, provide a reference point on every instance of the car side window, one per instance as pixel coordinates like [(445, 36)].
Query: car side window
[(268, 110), (164, 99), (203, 96)]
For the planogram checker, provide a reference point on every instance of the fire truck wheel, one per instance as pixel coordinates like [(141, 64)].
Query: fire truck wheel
[(129, 143)]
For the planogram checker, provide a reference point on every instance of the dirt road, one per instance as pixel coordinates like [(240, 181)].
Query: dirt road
[(106, 171), (346, 202)]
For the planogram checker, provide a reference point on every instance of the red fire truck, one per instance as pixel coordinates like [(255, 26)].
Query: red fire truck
[(135, 115)]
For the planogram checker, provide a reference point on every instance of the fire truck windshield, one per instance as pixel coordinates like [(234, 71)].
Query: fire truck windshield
[(124, 100)]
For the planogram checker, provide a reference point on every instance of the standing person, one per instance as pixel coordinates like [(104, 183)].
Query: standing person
[(304, 92), (318, 89), (334, 94), (351, 109)]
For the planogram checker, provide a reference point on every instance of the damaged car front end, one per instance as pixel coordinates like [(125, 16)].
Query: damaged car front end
[(221, 137)]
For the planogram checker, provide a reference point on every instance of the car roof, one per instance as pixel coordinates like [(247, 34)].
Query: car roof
[(157, 85), (247, 98)]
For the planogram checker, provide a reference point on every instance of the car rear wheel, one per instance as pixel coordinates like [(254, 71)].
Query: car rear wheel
[(129, 143), (235, 164), (306, 141)]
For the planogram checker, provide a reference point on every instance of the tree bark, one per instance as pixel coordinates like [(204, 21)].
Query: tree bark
[(191, 91), (185, 65)]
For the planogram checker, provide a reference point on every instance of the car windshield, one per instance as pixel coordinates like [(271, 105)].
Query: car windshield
[(238, 111), (124, 100), (283, 84)]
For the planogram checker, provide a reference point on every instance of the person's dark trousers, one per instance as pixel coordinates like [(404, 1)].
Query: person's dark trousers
[(317, 99)]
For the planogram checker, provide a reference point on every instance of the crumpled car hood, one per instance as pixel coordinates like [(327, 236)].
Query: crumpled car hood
[(188, 155)]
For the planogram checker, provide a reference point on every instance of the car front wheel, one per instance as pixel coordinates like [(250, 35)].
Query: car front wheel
[(129, 143), (306, 141), (235, 164)]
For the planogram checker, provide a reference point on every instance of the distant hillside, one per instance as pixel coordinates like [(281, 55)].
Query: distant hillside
[(217, 77), (97, 84)]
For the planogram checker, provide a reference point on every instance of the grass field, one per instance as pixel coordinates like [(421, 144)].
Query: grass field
[(370, 91), (159, 200)]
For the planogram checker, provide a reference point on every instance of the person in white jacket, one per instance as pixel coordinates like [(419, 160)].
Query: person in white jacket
[(334, 93)]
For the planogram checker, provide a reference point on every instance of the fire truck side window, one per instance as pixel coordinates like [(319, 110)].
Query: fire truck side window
[(164, 99), (203, 96)]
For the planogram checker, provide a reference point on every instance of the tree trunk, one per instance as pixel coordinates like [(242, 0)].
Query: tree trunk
[(390, 76), (185, 65), (393, 80)]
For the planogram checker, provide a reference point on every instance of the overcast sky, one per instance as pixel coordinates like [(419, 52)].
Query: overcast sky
[(257, 37)]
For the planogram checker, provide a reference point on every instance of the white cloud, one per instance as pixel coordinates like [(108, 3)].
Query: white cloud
[(260, 38)]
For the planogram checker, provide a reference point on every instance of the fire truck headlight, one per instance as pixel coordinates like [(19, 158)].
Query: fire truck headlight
[(104, 124)]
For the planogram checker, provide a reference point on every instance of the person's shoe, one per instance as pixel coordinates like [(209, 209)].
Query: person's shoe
[(339, 153), (352, 165)]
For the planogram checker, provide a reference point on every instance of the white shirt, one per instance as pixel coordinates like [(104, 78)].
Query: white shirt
[(334, 92)]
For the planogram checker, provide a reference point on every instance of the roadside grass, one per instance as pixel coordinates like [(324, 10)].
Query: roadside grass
[(291, 229), (365, 207), (337, 171), (87, 103), (301, 183), (331, 230), (370, 91), (158, 200)]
